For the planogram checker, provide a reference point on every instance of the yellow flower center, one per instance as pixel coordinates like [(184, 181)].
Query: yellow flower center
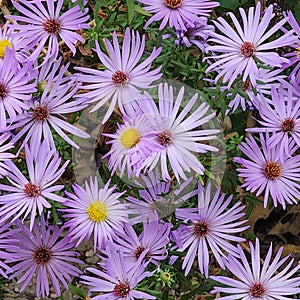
[(3, 44), (298, 51), (97, 211), (130, 138)]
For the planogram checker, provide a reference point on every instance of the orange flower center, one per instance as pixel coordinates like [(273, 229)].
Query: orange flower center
[(173, 4), (272, 170), (248, 49), (51, 26)]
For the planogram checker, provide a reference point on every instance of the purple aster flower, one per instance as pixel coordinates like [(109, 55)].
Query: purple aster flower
[(4, 156), (132, 143), (294, 56), (178, 132), (197, 34), (281, 117), (153, 240), (46, 112), (41, 25), (269, 170), (27, 195), (9, 40), (45, 254), (157, 198), (52, 71), (124, 76), (151, 199), (118, 278), (253, 281), (266, 79), (15, 89), (96, 211), (211, 225), (6, 242), (178, 13), (239, 50)]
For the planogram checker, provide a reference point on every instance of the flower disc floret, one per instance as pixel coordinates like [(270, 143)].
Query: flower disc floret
[(257, 290), (42, 256), (3, 91), (201, 228), (32, 190), (119, 78), (121, 289), (3, 45), (173, 4), (272, 170), (288, 125), (97, 211), (248, 49), (52, 26), (130, 137)]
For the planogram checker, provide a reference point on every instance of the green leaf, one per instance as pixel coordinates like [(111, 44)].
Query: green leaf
[(131, 10), (229, 4), (77, 291), (141, 11)]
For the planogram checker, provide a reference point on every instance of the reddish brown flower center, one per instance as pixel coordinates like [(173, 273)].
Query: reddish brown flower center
[(121, 289), (173, 4), (32, 190), (3, 91), (248, 49), (164, 138), (51, 26), (42, 256), (288, 124), (41, 113), (138, 251), (257, 290), (201, 229), (119, 78), (246, 86), (272, 170)]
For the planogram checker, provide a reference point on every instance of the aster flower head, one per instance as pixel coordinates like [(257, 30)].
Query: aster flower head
[(151, 199), (47, 111), (266, 80), (52, 71), (124, 77), (94, 211), (132, 143), (118, 279), (294, 56), (238, 50), (9, 40), (6, 242), (157, 198), (178, 132), (270, 171), (274, 279), (46, 254), (212, 225), (197, 34), (42, 25), (4, 155), (15, 89), (281, 118), (153, 241), (178, 13), (28, 195)]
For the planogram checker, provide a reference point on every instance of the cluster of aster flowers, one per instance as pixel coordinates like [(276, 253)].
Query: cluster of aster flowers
[(167, 212), (162, 136)]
